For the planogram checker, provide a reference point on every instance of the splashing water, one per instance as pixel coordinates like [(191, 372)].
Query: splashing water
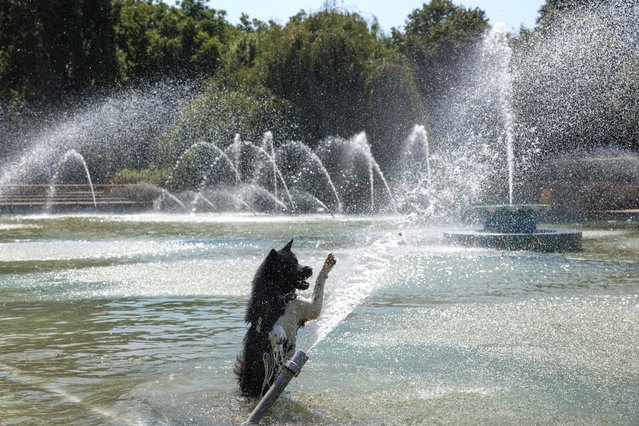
[(351, 164), (358, 285), (107, 131), (219, 155), (236, 151)]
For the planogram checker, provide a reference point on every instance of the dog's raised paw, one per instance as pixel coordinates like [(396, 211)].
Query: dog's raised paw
[(329, 263)]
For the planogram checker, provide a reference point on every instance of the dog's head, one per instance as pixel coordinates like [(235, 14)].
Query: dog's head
[(288, 275)]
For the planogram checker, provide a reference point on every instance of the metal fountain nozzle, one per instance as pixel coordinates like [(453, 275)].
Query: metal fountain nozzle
[(296, 363), (292, 368)]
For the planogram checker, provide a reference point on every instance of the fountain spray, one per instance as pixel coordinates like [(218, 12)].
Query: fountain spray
[(292, 368), (497, 50)]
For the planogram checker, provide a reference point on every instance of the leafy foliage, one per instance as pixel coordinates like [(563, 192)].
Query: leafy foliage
[(340, 77), (331, 73), (438, 38), (152, 175), (583, 93), (217, 115), (554, 9), (157, 40), (58, 49), (51, 48)]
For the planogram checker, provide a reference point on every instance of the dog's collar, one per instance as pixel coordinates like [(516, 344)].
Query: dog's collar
[(287, 297)]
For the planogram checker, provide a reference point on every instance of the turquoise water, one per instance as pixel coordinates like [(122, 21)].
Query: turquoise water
[(137, 319)]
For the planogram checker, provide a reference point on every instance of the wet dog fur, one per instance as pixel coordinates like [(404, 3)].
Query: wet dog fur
[(274, 313)]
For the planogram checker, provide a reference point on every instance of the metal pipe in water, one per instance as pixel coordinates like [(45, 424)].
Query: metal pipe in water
[(292, 368)]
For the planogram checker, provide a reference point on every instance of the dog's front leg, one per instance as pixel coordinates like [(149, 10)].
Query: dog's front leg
[(318, 292)]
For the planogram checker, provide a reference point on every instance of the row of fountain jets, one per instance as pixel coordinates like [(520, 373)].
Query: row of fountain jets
[(243, 167)]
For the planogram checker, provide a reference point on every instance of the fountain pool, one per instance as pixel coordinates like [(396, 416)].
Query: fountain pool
[(137, 319)]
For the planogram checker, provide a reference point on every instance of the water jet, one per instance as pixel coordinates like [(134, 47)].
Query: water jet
[(74, 155)]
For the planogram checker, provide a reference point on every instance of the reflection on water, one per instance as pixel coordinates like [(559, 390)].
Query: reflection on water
[(138, 319)]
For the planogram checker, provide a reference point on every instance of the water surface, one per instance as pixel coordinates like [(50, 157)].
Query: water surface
[(137, 319)]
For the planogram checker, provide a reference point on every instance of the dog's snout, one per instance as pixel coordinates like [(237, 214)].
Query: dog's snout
[(307, 271)]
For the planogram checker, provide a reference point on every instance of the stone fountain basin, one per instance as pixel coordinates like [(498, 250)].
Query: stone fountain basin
[(514, 227), (542, 240), (509, 218)]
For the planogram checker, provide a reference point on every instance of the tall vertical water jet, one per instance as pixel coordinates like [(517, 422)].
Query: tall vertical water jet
[(354, 171), (249, 162), (267, 145), (236, 151), (497, 54), (416, 193), (361, 142), (416, 152), (510, 227), (277, 174)]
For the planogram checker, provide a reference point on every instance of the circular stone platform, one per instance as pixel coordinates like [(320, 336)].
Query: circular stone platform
[(514, 227)]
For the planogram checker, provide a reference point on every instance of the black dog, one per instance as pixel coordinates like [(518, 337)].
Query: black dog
[(274, 313)]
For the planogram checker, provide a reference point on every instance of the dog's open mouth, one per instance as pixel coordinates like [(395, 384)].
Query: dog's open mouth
[(304, 274), (302, 285)]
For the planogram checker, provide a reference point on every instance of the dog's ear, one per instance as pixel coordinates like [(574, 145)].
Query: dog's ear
[(271, 255), (288, 246)]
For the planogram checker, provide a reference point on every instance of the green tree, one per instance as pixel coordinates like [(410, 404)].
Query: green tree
[(55, 49), (393, 107), (218, 114), (554, 9), (438, 39), (155, 40), (335, 70), (576, 87), (318, 63)]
